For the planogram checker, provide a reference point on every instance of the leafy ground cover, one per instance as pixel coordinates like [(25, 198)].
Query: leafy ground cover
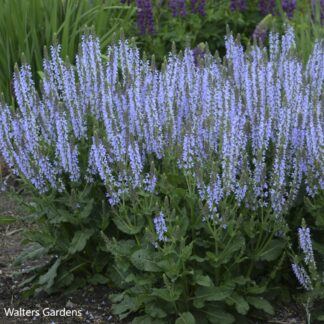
[(93, 301)]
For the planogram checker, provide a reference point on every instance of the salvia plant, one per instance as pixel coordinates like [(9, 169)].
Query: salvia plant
[(173, 184)]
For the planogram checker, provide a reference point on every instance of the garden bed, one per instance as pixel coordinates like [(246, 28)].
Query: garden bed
[(92, 301)]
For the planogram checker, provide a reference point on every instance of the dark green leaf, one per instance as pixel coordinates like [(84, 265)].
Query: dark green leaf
[(124, 307), (240, 280), (260, 303), (120, 247), (185, 318), (186, 252), (79, 240), (273, 251), (318, 247), (202, 280), (218, 316), (241, 305), (154, 311), (49, 276), (145, 319), (127, 227), (98, 279), (256, 290), (31, 252), (204, 294), (86, 211), (166, 294), (144, 260)]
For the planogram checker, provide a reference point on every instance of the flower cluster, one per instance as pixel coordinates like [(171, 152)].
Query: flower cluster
[(289, 7), (179, 7), (310, 279), (145, 20), (302, 276), (239, 5), (160, 227), (250, 127), (305, 243), (267, 6)]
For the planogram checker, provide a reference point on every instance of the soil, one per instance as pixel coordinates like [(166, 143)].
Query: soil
[(93, 303)]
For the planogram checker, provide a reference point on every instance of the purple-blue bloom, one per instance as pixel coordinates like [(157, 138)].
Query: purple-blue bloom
[(178, 7), (267, 7), (289, 7), (145, 20), (305, 243), (302, 276), (104, 119), (239, 5), (160, 227)]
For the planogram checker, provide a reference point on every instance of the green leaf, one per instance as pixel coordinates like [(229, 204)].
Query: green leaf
[(123, 308), (228, 253), (127, 227), (60, 215), (186, 252), (79, 240), (166, 294), (154, 311), (241, 305), (98, 279), (144, 260), (185, 318), (235, 245), (260, 303), (86, 211), (320, 318), (49, 276), (204, 294), (31, 252), (120, 247), (145, 319), (273, 251), (240, 280), (256, 290), (65, 280), (104, 221), (318, 247), (5, 220), (202, 280), (218, 316)]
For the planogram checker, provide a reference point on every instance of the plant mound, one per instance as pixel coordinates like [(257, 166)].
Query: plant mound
[(175, 185)]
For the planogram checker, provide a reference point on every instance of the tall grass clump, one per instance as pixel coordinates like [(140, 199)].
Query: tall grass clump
[(27, 26), (179, 186)]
